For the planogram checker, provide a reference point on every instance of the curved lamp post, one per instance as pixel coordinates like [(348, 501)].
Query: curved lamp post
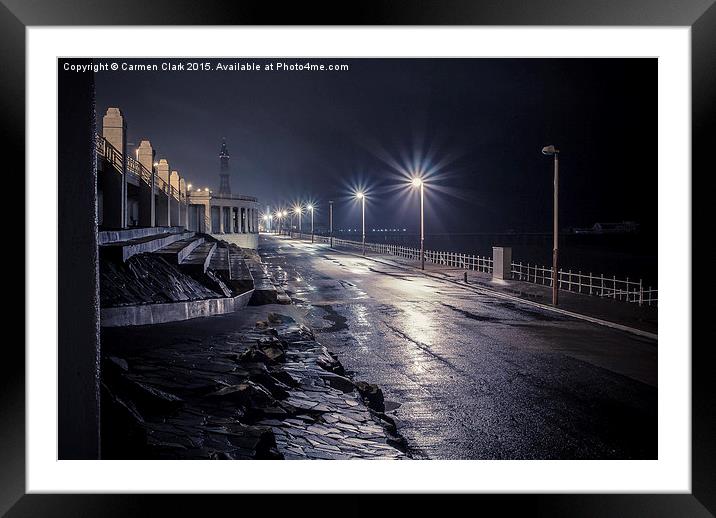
[(361, 197), (418, 183), (552, 151)]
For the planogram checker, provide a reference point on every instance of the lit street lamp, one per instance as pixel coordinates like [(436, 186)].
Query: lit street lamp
[(310, 209), (552, 151), (417, 182), (268, 220), (361, 197), (298, 210), (284, 214)]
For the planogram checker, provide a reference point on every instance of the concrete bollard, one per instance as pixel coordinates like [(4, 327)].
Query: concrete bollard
[(501, 262)]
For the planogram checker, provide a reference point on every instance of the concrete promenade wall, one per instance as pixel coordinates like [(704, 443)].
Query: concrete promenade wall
[(241, 240), (145, 314)]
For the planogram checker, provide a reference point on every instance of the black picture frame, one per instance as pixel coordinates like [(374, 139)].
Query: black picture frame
[(700, 15)]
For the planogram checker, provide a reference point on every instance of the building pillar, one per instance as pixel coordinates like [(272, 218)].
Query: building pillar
[(163, 194), (147, 203), (183, 204), (175, 209), (114, 183), (207, 216)]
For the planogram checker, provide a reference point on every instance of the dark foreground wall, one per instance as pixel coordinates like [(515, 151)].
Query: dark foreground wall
[(78, 287)]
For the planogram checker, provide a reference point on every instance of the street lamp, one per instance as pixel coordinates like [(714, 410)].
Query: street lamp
[(310, 209), (298, 210), (418, 183), (361, 197), (330, 220), (266, 218), (283, 216), (552, 151)]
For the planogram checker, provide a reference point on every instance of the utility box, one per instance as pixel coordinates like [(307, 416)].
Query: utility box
[(501, 262)]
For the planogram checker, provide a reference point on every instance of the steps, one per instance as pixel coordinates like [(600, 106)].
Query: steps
[(105, 237), (142, 243), (265, 291), (220, 261), (175, 253), (198, 260), (239, 274)]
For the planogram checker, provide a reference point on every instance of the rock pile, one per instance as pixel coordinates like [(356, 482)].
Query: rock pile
[(269, 392)]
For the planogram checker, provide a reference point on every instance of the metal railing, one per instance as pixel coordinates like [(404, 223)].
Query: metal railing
[(587, 283), (625, 290), (451, 259), (110, 153), (135, 169)]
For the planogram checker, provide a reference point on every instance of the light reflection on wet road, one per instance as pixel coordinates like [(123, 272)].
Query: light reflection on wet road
[(472, 376)]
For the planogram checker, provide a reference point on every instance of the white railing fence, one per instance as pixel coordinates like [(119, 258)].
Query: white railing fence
[(586, 283), (452, 259)]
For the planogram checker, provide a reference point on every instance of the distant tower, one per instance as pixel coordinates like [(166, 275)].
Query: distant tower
[(224, 175)]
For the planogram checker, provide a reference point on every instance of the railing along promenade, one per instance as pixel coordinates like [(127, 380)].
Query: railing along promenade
[(135, 170), (625, 290)]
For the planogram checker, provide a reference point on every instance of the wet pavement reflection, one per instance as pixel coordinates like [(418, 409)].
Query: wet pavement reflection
[(469, 376)]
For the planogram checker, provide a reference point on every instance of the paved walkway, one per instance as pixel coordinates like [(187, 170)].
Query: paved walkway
[(644, 317), (467, 375)]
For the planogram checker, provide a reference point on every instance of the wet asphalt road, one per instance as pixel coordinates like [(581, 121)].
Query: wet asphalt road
[(471, 376)]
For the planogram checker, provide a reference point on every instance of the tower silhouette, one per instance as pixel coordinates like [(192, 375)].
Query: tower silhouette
[(224, 175)]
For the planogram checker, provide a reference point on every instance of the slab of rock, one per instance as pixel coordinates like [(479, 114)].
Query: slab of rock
[(339, 382), (248, 395), (372, 395)]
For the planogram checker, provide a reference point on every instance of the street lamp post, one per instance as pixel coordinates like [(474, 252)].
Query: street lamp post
[(361, 197), (330, 221), (417, 182), (310, 209), (552, 151)]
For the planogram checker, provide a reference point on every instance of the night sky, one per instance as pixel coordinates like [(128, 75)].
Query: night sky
[(475, 127)]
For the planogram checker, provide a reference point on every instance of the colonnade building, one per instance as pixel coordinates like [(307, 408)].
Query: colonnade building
[(135, 190)]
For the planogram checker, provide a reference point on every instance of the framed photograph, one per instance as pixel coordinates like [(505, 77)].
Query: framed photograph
[(434, 240)]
